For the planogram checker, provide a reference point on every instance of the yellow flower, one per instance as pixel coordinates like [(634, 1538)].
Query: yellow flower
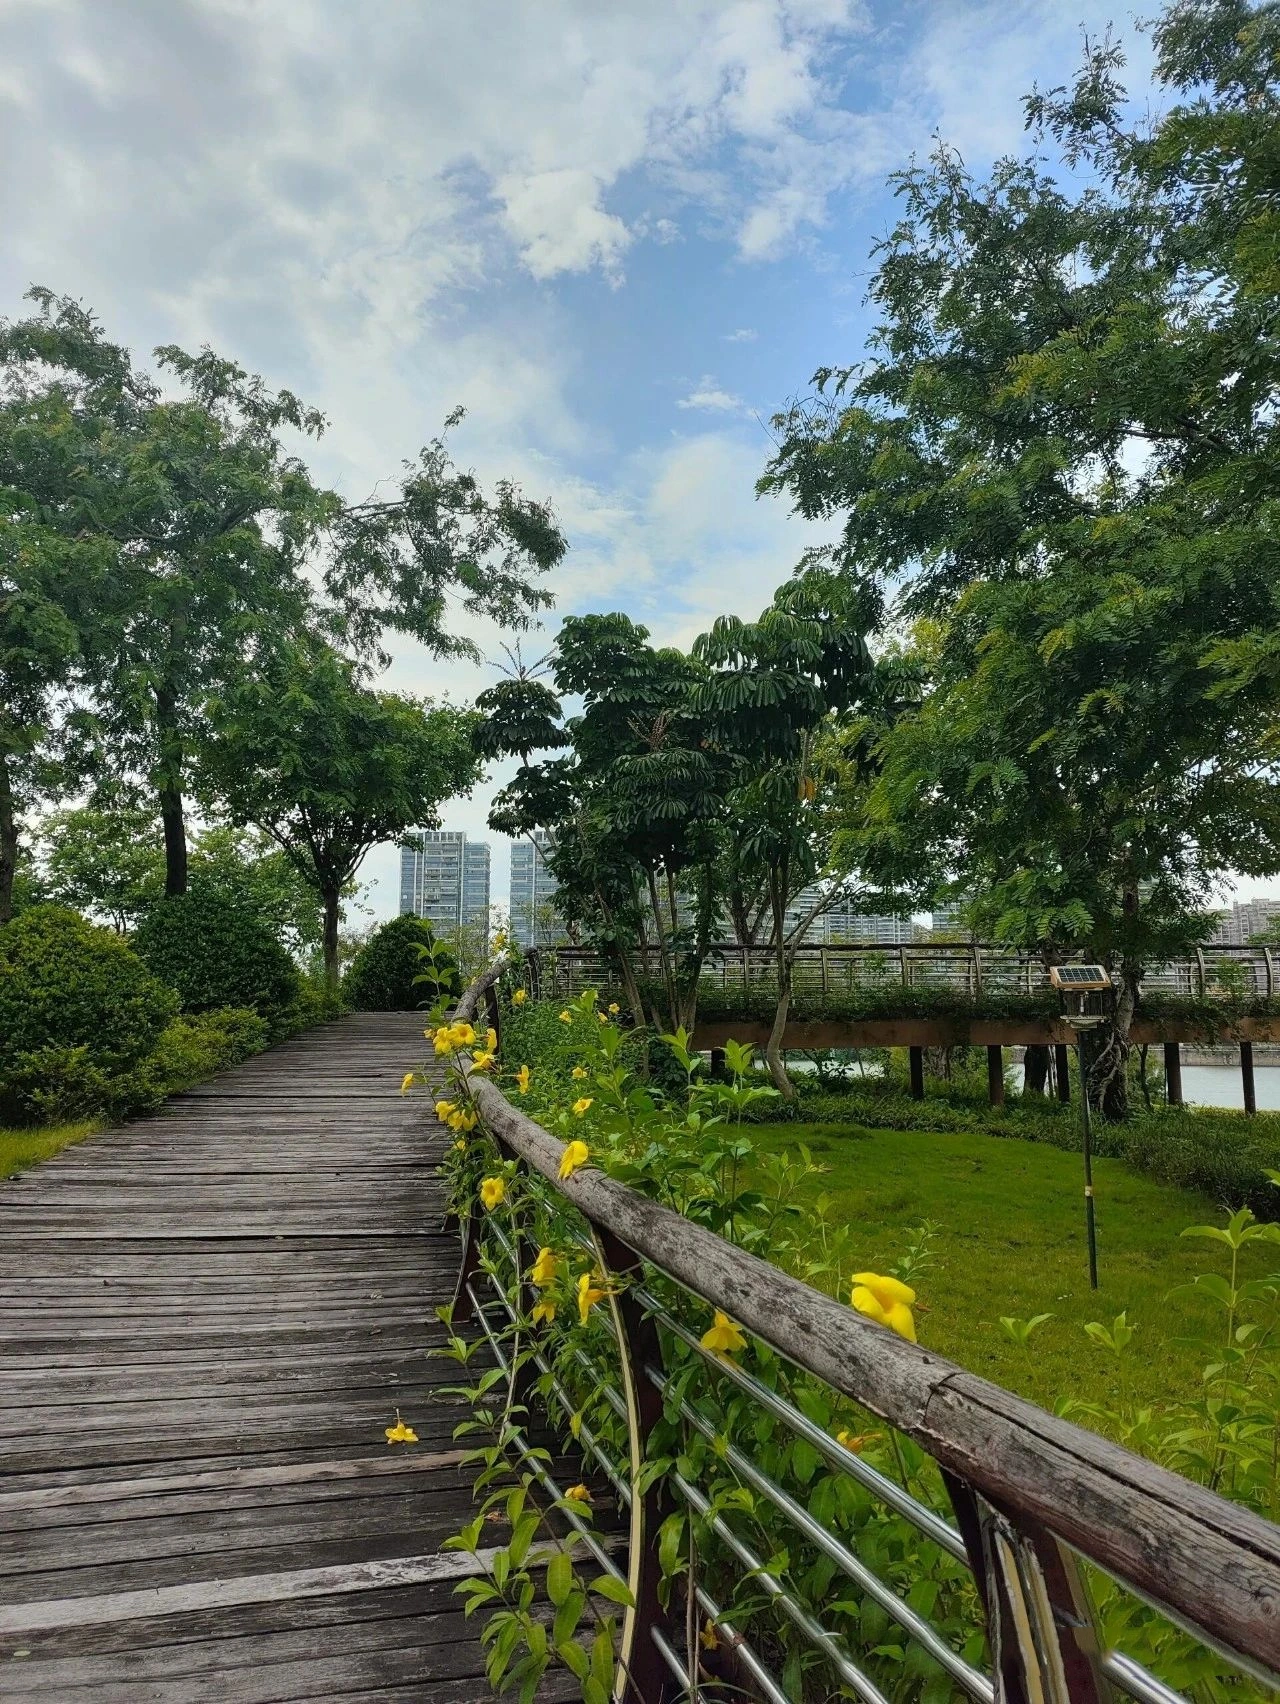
[(724, 1336), (519, 997), (545, 1268), (523, 1077), (491, 1040), (443, 1110), (614, 1008), (579, 1073), (582, 1106), (481, 1061), (709, 1639), (499, 940), (463, 1034), (400, 1433), (492, 1191), (885, 1300), (588, 1295), (544, 1311), (566, 1017), (443, 1042), (462, 1145), (575, 1156), (410, 1077), (469, 1120), (577, 1494), (855, 1443), (603, 1019)]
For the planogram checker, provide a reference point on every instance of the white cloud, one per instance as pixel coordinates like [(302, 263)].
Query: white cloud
[(557, 219), (743, 335), (712, 397)]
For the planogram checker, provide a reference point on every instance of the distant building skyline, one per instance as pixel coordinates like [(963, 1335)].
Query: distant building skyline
[(1246, 918), (444, 877), (533, 887)]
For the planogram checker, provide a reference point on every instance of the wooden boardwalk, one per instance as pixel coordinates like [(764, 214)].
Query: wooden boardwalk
[(207, 1320)]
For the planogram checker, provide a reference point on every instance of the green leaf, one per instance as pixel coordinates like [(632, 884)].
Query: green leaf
[(559, 1577)]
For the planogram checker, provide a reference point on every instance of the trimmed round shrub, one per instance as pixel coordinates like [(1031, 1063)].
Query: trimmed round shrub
[(78, 1011), (216, 952), (381, 976)]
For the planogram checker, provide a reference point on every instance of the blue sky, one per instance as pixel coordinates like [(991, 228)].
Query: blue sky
[(620, 234)]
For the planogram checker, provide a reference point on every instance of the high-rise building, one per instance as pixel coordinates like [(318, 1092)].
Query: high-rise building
[(1245, 920), (444, 877), (533, 891), (950, 921), (842, 924)]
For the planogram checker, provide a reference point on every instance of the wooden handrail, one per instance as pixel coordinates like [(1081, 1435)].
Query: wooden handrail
[(1210, 1564)]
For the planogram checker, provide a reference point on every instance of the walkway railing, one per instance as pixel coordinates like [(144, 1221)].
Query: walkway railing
[(1038, 1504), (975, 969)]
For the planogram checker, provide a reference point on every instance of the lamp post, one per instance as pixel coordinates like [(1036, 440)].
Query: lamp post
[(1082, 980)]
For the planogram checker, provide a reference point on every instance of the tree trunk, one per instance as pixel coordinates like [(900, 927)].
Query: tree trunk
[(773, 1050), (1035, 1069), (1109, 1074), (169, 776), (8, 842), (175, 841), (332, 902), (664, 956)]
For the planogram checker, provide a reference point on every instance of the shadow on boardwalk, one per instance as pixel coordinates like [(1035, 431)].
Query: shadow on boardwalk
[(207, 1319)]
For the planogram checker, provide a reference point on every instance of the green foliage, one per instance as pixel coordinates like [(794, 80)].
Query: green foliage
[(78, 1009), (195, 1046), (107, 863), (216, 953), (1095, 747), (328, 767), (385, 975), (154, 539)]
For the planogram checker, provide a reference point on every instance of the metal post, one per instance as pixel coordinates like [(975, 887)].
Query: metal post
[(916, 1055), (1173, 1073), (995, 1075), (1087, 1125), (1246, 1077), (1041, 1630), (642, 1675)]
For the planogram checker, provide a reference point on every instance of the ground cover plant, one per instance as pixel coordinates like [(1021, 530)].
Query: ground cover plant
[(1002, 1227), (21, 1149), (1217, 1153), (1004, 1231)]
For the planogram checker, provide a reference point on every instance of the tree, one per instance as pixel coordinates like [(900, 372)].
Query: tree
[(329, 768), (47, 584), (772, 692), (221, 544), (633, 811), (1063, 443), (106, 863)]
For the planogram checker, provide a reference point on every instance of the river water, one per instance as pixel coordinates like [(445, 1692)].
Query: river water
[(1219, 1085)]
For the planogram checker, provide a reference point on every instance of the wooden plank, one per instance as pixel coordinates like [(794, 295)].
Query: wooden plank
[(236, 1295), (199, 1595)]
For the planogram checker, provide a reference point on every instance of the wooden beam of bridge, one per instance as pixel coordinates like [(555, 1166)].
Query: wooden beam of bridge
[(207, 1319)]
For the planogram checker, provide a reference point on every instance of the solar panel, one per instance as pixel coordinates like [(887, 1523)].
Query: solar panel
[(1080, 977)]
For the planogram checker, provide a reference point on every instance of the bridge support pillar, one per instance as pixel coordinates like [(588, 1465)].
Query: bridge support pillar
[(995, 1075), (1062, 1071), (917, 1072), (1173, 1073), (1246, 1077)]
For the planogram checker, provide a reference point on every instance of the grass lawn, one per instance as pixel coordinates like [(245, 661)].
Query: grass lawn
[(22, 1148), (1010, 1240)]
